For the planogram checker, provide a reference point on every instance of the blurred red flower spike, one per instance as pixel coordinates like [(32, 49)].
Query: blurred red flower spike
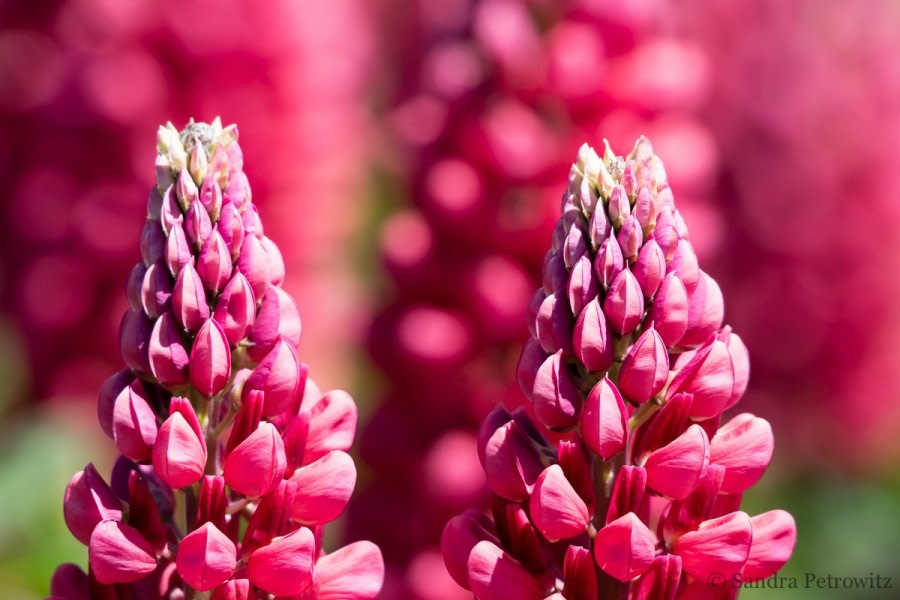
[(625, 547), (233, 589), (660, 580), (495, 575), (278, 376), (511, 463), (628, 492), (284, 567), (324, 488), (460, 535), (354, 572), (645, 369), (579, 574), (650, 268), (624, 303), (604, 424), (556, 509), (709, 377), (206, 558), (236, 309), (675, 469), (169, 361), (717, 547), (669, 310), (134, 340), (706, 309), (210, 359), (118, 554), (179, 454), (134, 424), (774, 538), (69, 582), (744, 446), (557, 401), (189, 299), (592, 339), (87, 501), (214, 263), (257, 464)]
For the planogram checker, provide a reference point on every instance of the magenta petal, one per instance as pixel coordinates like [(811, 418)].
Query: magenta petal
[(179, 454), (556, 509), (178, 250), (277, 318), (557, 401), (604, 424), (582, 285), (705, 313), (276, 261), (332, 424), (234, 589), (495, 575), (324, 488), (134, 340), (106, 399), (189, 299), (168, 357), (709, 376), (236, 309), (214, 263), (579, 574), (608, 263), (460, 535), (628, 492), (156, 290), (87, 501), (210, 359), (530, 360), (719, 546), (660, 581), (650, 268), (206, 558), (684, 264), (257, 464), (254, 264), (554, 324), (624, 303), (69, 582), (284, 567), (278, 377), (118, 554), (511, 464), (592, 339), (354, 572), (744, 446), (134, 424), (624, 548), (669, 310), (645, 369), (774, 538), (675, 469), (740, 360)]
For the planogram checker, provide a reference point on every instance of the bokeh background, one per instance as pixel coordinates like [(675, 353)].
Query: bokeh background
[(407, 157)]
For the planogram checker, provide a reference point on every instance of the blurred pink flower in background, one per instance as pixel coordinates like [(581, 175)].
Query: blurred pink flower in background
[(99, 74), (493, 98)]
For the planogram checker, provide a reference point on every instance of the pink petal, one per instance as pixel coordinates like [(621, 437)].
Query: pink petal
[(645, 369), (557, 401), (206, 558), (592, 339), (257, 464), (460, 535), (744, 446), (325, 487), (179, 454), (675, 469), (234, 589), (118, 554), (774, 538), (660, 580), (87, 501), (669, 310), (624, 303), (554, 324), (556, 509), (284, 567), (719, 546), (495, 575), (354, 572), (511, 463), (278, 377), (579, 574), (624, 548), (236, 309), (134, 424), (189, 299), (210, 359), (168, 356), (709, 376), (332, 424), (604, 423)]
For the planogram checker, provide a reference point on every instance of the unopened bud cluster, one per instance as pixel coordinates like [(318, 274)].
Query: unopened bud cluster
[(232, 460), (620, 478)]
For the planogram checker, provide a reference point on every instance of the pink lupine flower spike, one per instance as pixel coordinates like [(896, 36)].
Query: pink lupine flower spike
[(232, 460), (629, 369)]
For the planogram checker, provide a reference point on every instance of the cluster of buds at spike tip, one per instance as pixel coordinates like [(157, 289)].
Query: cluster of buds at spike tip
[(619, 479), (232, 460)]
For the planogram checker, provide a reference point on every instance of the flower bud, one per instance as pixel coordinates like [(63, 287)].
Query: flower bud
[(669, 310), (740, 360), (460, 536), (276, 261), (189, 299), (511, 462), (324, 489), (579, 574), (665, 233), (89, 500), (134, 340), (684, 264), (628, 492), (706, 309), (153, 243), (252, 223), (257, 464), (530, 360), (630, 238), (575, 245), (709, 376), (168, 357), (236, 309), (134, 284), (69, 582), (278, 376), (645, 210), (206, 558), (210, 359), (197, 226), (624, 548), (557, 401), (555, 274), (185, 189), (106, 399), (650, 268), (619, 208), (582, 285), (604, 425), (118, 554), (624, 303), (284, 567), (156, 290), (212, 502), (645, 369), (211, 198), (591, 338), (254, 264), (178, 250), (575, 461), (231, 228), (608, 263), (233, 589), (660, 581), (556, 509), (554, 324), (134, 424), (277, 318), (214, 263), (599, 228), (520, 537), (170, 213), (179, 453)]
